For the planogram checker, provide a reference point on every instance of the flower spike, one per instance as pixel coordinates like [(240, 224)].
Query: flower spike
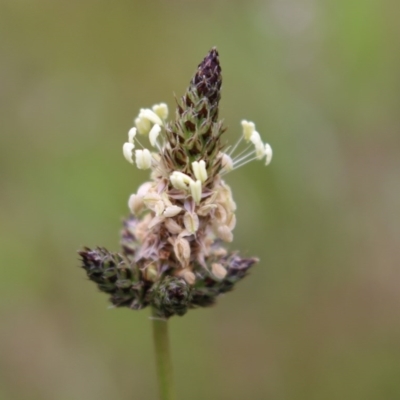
[(172, 244)]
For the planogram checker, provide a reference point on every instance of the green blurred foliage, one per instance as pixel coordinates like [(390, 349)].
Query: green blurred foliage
[(319, 316)]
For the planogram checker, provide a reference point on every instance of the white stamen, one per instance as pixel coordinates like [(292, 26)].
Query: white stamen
[(143, 159), (161, 110), (248, 129), (199, 170), (177, 182), (255, 138), (242, 152), (131, 134), (268, 153), (235, 146), (260, 151), (154, 132), (227, 163), (143, 125), (127, 150), (195, 189), (180, 180), (150, 115)]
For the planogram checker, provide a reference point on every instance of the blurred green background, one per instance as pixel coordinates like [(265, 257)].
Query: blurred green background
[(319, 317)]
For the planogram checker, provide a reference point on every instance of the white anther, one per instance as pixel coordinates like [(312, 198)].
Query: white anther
[(196, 190), (248, 129), (150, 115), (153, 135), (260, 150), (127, 150), (268, 153), (255, 138), (182, 251), (180, 180), (161, 110), (143, 125), (143, 159), (199, 170), (227, 162), (131, 134)]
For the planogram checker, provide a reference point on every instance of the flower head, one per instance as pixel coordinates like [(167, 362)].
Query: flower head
[(173, 256)]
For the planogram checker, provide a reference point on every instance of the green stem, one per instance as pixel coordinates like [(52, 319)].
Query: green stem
[(163, 359)]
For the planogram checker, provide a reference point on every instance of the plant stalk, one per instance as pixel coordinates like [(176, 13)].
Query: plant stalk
[(163, 358)]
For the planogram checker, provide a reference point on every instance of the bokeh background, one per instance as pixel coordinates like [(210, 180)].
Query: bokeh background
[(319, 317)]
